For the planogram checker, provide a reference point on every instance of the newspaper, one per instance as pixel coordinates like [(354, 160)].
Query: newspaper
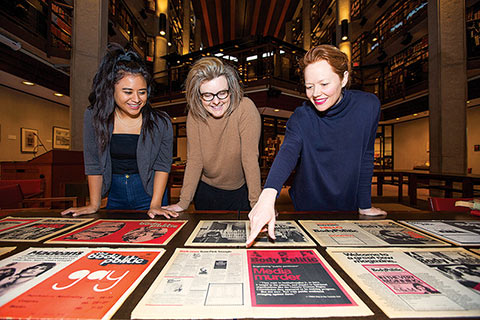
[(234, 233), (241, 283), (10, 222), (35, 229), (416, 282), (4, 250), (371, 233), (132, 232), (84, 283), (461, 233)]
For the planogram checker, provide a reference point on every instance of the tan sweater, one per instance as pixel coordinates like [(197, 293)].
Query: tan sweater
[(223, 152)]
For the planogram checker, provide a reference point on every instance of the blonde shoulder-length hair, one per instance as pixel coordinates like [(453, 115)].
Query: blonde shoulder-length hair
[(207, 69)]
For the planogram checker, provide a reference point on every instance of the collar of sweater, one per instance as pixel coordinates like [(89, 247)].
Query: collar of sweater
[(336, 110)]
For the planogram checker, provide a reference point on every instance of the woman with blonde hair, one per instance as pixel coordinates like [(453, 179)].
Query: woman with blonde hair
[(223, 131), (329, 141)]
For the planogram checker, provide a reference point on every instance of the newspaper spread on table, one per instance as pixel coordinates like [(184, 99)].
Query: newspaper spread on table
[(370, 233), (240, 283), (233, 233), (60, 282), (126, 232), (10, 222), (35, 229), (459, 232), (4, 250), (416, 282)]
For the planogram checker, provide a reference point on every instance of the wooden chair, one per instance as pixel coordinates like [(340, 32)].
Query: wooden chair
[(31, 188), (11, 197), (447, 204)]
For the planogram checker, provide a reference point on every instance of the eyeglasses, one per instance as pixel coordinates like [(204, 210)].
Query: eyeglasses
[(221, 95)]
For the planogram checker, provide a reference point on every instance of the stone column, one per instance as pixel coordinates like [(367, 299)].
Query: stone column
[(186, 27), (343, 13), (89, 41), (161, 46), (307, 24), (447, 86)]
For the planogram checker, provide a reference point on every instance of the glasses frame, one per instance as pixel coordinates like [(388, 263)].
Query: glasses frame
[(214, 95)]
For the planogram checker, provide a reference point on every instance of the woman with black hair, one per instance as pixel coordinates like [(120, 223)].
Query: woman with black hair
[(127, 143)]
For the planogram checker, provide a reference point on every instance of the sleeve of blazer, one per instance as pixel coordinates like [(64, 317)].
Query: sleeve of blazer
[(163, 161), (90, 149)]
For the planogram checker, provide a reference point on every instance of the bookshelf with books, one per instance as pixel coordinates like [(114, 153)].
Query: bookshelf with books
[(405, 70)]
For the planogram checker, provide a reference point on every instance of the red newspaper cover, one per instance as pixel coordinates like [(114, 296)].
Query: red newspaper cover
[(92, 287), (293, 278), (136, 232)]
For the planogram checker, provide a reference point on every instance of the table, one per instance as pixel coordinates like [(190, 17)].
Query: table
[(194, 217)]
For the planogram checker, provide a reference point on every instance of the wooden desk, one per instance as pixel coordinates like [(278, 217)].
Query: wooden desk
[(381, 174), (194, 217), (468, 181)]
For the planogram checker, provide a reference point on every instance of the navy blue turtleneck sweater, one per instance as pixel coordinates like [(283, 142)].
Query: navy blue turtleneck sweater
[(332, 152)]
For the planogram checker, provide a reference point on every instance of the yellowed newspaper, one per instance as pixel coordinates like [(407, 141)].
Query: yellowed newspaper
[(415, 282), (6, 250), (371, 233), (234, 233), (255, 283)]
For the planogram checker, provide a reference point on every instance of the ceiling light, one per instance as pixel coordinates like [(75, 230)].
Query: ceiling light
[(415, 114), (28, 83), (397, 119), (169, 43), (174, 118), (374, 39), (58, 94), (276, 110)]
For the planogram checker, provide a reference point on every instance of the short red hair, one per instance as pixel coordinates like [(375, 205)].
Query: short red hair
[(337, 59)]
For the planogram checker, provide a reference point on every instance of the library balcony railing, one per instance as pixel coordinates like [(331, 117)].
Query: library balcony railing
[(260, 61), (47, 25)]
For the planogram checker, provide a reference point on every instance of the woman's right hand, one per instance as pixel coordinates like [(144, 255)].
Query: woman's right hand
[(263, 213), (173, 207), (80, 211)]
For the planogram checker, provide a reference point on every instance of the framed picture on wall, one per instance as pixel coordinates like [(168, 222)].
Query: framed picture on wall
[(28, 140), (60, 138)]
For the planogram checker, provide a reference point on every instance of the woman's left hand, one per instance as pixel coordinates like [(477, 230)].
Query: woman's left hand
[(154, 211), (372, 212)]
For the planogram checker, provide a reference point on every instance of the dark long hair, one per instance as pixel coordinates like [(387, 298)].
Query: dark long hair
[(117, 63)]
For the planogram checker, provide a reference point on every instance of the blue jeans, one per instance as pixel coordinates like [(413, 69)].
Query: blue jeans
[(127, 193)]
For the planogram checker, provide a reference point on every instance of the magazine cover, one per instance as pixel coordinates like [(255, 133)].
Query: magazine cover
[(240, 283), (133, 232), (416, 282), (458, 232), (38, 229), (10, 222), (371, 233), (234, 233), (81, 283)]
